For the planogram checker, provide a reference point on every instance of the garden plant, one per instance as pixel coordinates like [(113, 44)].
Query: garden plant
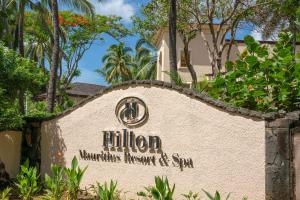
[(55, 185), (160, 191), (4, 195), (74, 177), (105, 192), (27, 181)]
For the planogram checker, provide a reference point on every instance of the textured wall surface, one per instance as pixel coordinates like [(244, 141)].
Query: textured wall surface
[(228, 150), (10, 151)]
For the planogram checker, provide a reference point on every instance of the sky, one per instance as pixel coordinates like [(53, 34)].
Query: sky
[(125, 9)]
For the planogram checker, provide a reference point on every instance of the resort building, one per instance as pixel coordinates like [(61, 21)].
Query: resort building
[(199, 56), (77, 91)]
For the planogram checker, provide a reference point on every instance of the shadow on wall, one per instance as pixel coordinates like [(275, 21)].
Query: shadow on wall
[(53, 146)]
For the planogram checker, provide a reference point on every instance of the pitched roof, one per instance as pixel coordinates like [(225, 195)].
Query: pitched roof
[(84, 89), (78, 89)]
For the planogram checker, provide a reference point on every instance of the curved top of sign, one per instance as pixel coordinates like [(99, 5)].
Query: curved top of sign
[(188, 92)]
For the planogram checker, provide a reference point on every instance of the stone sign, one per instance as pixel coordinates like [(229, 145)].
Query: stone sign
[(133, 132)]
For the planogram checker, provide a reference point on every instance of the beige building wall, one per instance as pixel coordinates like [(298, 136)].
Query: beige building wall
[(10, 151), (228, 150), (199, 57)]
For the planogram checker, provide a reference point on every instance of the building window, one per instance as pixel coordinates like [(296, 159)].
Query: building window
[(183, 63)]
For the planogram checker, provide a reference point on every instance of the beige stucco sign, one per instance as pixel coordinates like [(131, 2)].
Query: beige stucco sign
[(133, 133)]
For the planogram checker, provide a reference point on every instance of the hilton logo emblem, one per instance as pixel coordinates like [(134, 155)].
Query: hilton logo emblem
[(132, 112)]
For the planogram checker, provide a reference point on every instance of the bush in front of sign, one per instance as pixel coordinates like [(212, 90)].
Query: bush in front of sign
[(27, 181), (217, 196), (55, 185), (74, 176), (161, 190), (4, 195), (105, 192), (191, 196)]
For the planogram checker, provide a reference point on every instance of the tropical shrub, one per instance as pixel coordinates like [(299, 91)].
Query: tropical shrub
[(191, 196), (55, 185), (27, 181), (217, 196), (16, 74), (4, 195), (161, 190), (105, 192), (261, 79), (74, 177)]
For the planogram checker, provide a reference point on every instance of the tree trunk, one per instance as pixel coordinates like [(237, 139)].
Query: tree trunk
[(16, 37), (54, 59), (188, 63), (214, 67), (21, 27), (172, 37), (219, 62), (21, 49)]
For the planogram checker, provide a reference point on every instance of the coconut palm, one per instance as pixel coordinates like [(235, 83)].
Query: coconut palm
[(117, 64), (54, 58), (145, 61), (83, 5)]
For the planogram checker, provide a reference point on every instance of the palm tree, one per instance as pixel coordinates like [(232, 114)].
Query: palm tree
[(145, 61), (54, 59), (83, 5), (117, 64), (172, 37)]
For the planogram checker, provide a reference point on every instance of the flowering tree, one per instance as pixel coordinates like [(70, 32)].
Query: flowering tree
[(81, 33)]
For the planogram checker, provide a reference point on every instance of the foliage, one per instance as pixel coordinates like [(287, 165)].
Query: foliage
[(4, 195), (144, 61), (55, 185), (161, 190), (259, 81), (82, 32), (191, 196), (10, 117), (105, 192), (279, 15), (74, 176), (16, 74), (27, 181), (217, 196)]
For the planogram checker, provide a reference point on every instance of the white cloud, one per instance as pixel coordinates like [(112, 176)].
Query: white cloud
[(256, 34), (115, 7)]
